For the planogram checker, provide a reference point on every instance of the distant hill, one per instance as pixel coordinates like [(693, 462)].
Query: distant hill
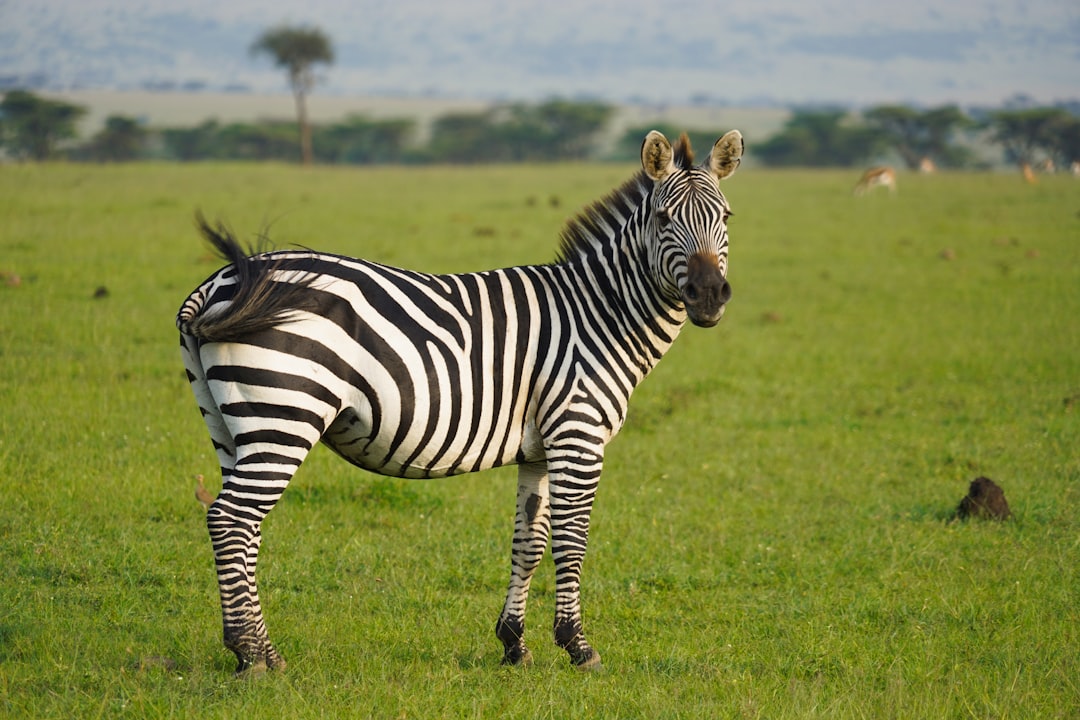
[(738, 53)]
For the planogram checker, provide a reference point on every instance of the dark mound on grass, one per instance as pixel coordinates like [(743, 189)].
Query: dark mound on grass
[(984, 501)]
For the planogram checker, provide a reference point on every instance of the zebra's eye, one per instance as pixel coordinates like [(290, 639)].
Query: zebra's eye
[(663, 217), (727, 215)]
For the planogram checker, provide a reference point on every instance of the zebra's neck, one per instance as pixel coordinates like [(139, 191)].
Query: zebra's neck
[(606, 250)]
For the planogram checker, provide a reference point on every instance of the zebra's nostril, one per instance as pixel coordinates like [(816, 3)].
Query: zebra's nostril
[(725, 292), (690, 293)]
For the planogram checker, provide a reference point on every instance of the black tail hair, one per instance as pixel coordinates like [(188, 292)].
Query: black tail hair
[(262, 300)]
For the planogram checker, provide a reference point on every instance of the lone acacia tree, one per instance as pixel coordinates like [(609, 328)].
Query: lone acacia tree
[(297, 49)]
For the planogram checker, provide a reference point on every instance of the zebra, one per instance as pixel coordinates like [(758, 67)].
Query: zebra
[(418, 375)]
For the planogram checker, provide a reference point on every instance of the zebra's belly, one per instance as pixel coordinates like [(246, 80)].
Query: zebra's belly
[(400, 453)]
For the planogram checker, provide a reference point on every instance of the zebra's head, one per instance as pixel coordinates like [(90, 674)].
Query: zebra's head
[(686, 222)]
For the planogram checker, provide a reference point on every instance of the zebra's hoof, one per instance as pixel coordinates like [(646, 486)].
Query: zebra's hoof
[(270, 661), (590, 663), (274, 661), (517, 656), (250, 670)]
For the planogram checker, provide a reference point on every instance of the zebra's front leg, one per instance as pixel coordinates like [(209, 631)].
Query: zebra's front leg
[(532, 525), (236, 538), (573, 483)]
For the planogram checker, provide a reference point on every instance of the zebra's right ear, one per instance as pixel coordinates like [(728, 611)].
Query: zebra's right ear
[(726, 154), (656, 156)]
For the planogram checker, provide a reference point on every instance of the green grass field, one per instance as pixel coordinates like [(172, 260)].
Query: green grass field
[(771, 537)]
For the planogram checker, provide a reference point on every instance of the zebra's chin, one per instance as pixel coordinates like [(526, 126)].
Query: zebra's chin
[(705, 320)]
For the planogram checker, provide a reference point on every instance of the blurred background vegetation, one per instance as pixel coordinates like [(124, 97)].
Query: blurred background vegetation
[(37, 128)]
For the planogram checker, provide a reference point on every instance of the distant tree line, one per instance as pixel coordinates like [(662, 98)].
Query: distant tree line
[(549, 131), (356, 141), (35, 128), (836, 138)]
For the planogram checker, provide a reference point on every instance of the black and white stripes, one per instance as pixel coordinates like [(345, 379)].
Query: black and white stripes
[(416, 375)]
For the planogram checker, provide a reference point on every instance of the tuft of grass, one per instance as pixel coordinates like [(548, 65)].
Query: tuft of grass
[(771, 536)]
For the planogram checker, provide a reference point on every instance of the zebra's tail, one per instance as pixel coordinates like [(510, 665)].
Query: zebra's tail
[(262, 299)]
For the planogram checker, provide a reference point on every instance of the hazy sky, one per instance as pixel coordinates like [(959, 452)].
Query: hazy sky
[(923, 51)]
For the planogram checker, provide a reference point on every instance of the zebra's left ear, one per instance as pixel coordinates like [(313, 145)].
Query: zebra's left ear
[(726, 154)]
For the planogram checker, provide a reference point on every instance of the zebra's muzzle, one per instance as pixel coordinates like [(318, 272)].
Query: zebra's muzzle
[(706, 291)]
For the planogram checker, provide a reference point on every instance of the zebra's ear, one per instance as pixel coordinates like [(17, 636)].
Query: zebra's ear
[(656, 156), (726, 154)]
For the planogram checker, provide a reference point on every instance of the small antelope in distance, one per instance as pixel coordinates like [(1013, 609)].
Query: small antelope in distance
[(1028, 173), (927, 166), (878, 176)]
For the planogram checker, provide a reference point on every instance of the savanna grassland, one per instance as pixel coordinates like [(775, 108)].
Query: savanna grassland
[(771, 537)]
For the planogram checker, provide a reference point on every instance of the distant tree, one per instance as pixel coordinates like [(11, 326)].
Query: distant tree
[(553, 130), (121, 140), (1068, 141), (1024, 134), (943, 124), (463, 138), (187, 144), (32, 126), (916, 134), (297, 49), (820, 138), (359, 140), (261, 141), (550, 131)]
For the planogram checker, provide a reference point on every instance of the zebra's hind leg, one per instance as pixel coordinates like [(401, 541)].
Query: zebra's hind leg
[(250, 489), (532, 525), (235, 534), (233, 521)]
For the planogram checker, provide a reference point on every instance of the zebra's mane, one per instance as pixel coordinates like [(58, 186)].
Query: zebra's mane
[(684, 154), (598, 224)]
